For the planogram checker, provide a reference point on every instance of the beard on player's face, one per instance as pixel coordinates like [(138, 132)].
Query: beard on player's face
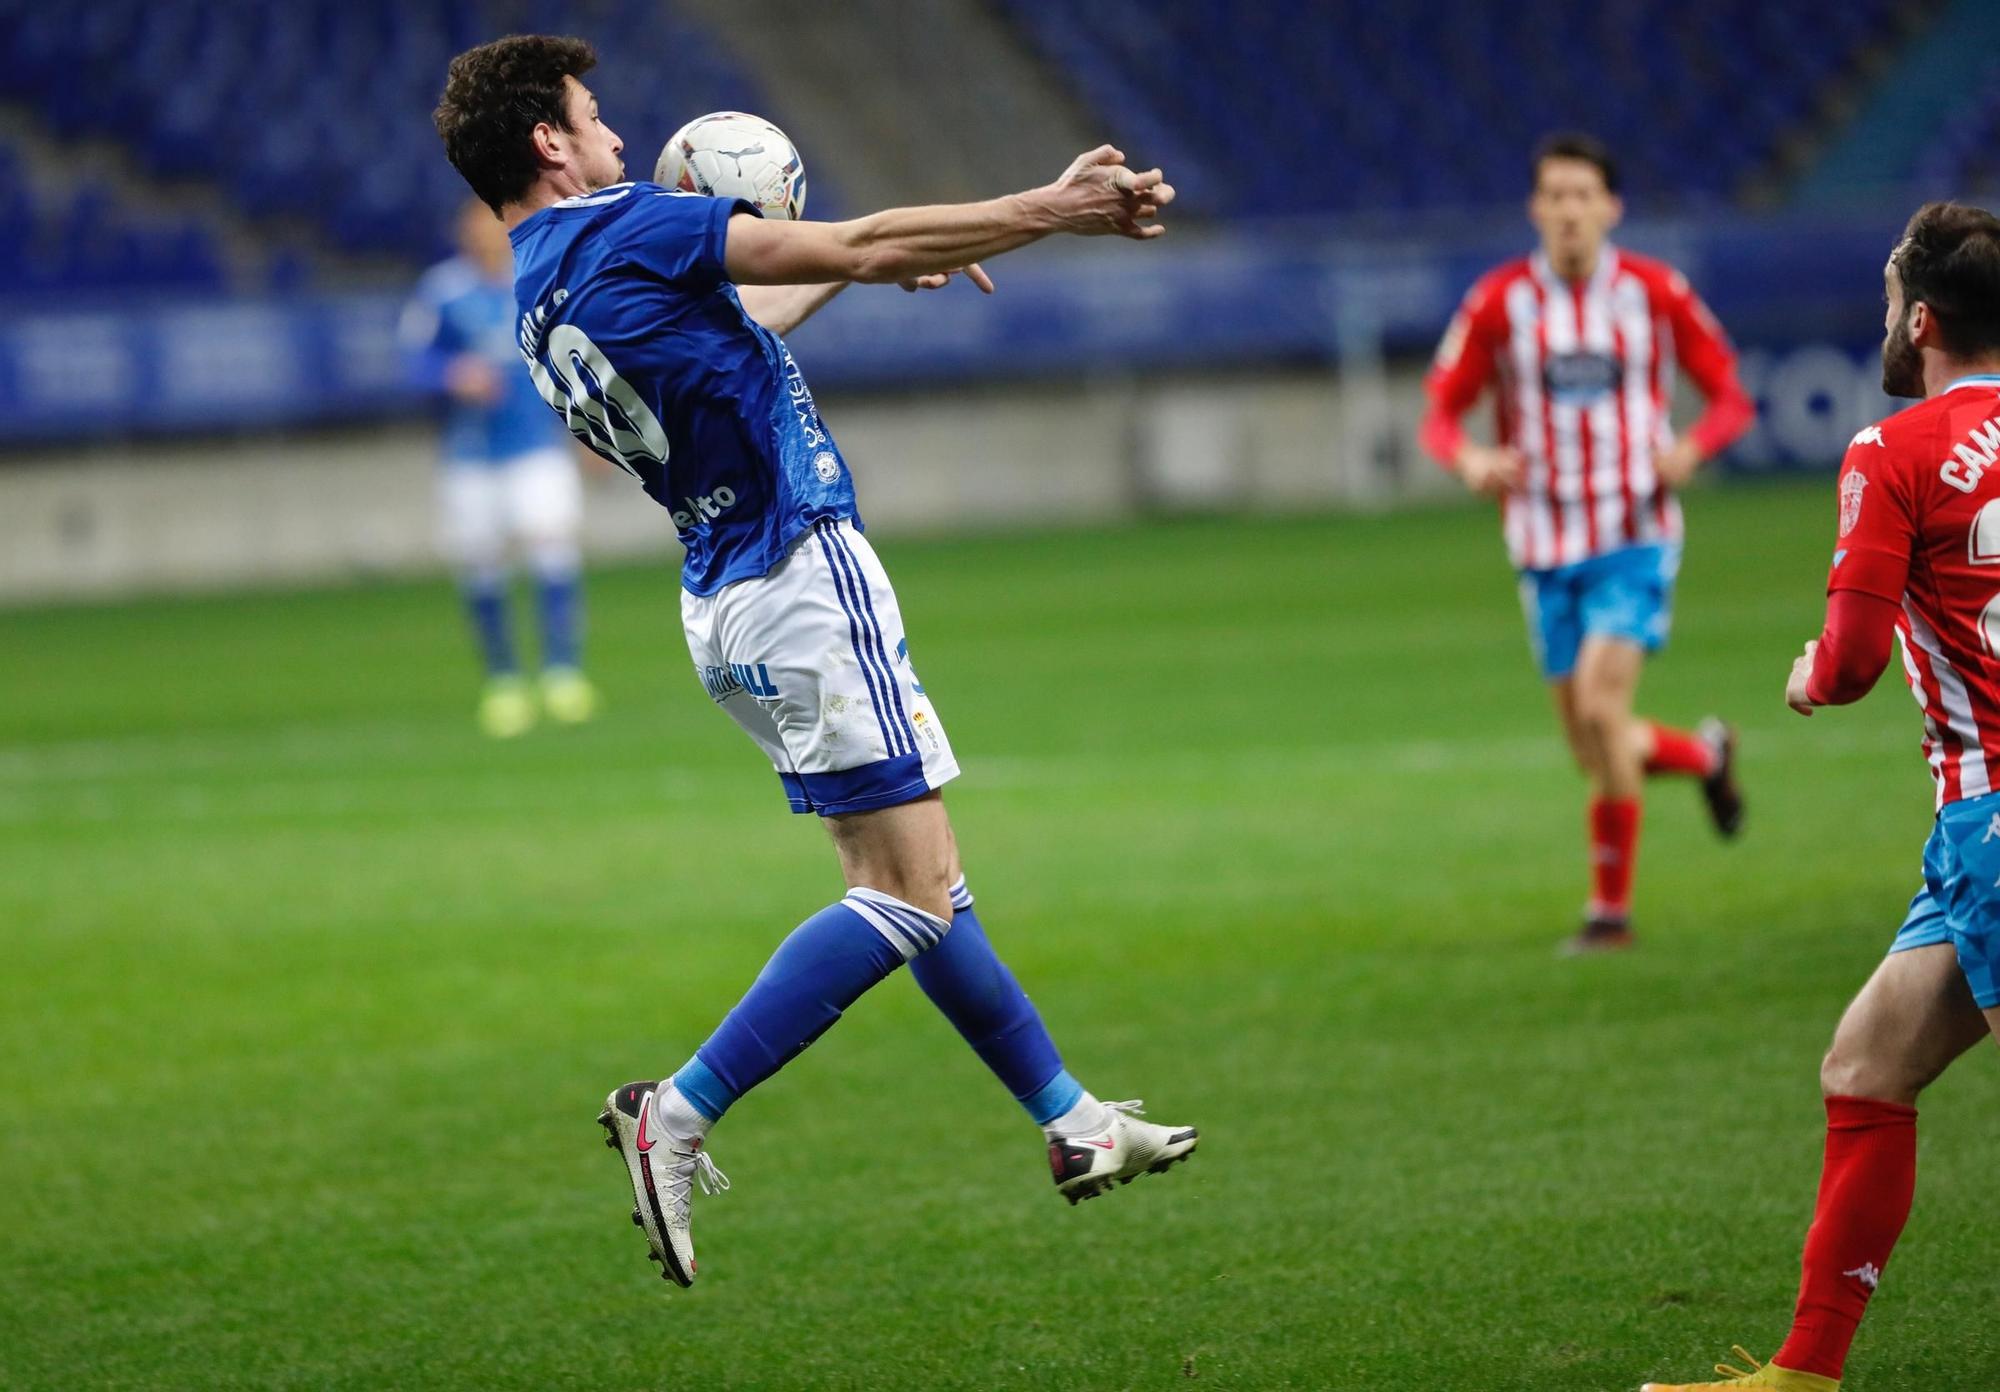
[(1902, 364)]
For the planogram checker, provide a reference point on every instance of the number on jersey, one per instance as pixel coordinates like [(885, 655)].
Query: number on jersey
[(598, 405)]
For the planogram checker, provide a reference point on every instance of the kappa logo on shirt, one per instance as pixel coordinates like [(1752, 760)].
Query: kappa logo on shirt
[(1867, 435)]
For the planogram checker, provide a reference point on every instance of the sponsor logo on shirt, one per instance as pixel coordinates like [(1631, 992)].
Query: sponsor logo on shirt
[(706, 508), (801, 398), (722, 682), (1580, 378)]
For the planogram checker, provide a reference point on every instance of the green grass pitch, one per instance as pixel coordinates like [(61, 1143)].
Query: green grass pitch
[(309, 996)]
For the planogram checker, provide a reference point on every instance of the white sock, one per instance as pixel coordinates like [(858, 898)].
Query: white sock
[(676, 1115), (1088, 1117)]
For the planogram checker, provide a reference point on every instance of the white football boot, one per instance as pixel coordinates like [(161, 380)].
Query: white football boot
[(663, 1171), (1086, 1166)]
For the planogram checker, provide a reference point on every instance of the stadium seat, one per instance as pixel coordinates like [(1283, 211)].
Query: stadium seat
[(315, 110)]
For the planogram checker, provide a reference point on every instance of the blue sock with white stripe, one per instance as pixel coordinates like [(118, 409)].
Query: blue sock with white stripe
[(826, 965), (972, 986)]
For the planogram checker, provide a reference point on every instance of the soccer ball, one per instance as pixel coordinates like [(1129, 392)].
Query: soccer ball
[(734, 155)]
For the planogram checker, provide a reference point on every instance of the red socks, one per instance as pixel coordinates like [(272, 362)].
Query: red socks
[(1678, 751), (1614, 844), (1864, 1198)]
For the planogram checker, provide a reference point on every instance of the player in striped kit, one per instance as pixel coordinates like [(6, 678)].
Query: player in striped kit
[(1580, 342), (1917, 559)]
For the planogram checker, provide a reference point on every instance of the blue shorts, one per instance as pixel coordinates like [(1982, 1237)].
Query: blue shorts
[(1960, 901), (1628, 593)]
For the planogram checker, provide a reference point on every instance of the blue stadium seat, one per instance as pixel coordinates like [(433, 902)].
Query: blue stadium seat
[(314, 109), (1336, 106)]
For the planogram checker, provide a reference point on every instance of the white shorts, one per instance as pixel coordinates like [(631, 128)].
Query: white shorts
[(536, 497), (811, 661)]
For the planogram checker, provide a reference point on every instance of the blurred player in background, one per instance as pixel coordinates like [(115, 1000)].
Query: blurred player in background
[(1579, 341), (508, 477), (651, 320), (1917, 560)]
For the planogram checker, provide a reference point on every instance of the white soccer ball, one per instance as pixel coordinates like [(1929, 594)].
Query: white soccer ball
[(731, 154)]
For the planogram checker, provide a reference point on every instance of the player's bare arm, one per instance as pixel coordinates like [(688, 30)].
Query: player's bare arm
[(782, 308), (1096, 196)]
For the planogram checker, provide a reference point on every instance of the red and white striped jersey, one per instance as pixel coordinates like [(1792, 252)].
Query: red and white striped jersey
[(1585, 374), (1920, 527)]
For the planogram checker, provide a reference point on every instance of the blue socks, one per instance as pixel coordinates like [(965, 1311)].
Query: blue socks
[(560, 598), (834, 957), (981, 998), (826, 965), (486, 605)]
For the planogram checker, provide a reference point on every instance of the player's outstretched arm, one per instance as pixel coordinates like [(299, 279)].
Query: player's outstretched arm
[(1096, 196), (782, 308)]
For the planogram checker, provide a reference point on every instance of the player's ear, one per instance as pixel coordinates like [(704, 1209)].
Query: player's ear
[(1617, 212), (548, 143), (1923, 325)]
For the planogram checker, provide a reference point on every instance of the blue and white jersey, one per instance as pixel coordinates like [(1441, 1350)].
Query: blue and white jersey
[(455, 310), (633, 332)]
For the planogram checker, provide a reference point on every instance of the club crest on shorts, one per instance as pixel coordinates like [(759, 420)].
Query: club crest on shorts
[(1850, 500), (826, 466)]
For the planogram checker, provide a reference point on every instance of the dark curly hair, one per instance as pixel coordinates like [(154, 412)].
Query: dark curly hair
[(494, 97), (1949, 259)]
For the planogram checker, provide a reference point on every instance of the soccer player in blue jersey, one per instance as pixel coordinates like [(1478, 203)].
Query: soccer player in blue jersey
[(650, 320), (508, 476)]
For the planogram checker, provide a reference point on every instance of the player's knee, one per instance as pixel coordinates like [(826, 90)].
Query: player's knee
[(1601, 719), (933, 896), (553, 557), (919, 887), (1853, 1070), (1836, 1073)]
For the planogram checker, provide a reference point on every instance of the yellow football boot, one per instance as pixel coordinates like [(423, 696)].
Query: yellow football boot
[(1765, 1375), (506, 708), (567, 696)]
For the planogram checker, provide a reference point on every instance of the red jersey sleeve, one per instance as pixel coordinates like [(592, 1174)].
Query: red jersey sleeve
[(1853, 647), (1462, 368), (1703, 349), (1878, 529)]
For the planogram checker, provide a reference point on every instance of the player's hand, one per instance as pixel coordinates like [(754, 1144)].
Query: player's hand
[(1678, 464), (1795, 686), (974, 273), (471, 378), (1491, 469), (1098, 196)]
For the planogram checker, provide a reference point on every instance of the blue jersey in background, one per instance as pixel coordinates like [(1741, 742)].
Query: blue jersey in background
[(456, 310), (634, 333)]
